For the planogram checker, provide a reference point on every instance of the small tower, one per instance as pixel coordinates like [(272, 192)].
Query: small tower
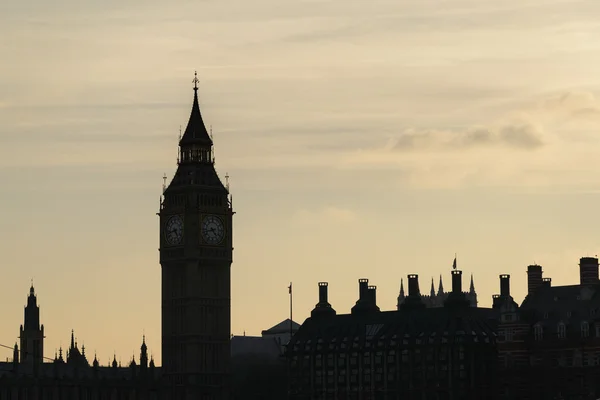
[(15, 357), (31, 334), (401, 296), (143, 355)]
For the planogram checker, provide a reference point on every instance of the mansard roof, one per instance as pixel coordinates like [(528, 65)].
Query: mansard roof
[(390, 328), (195, 132), (571, 304)]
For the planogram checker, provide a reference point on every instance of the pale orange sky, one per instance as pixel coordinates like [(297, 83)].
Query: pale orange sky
[(363, 139)]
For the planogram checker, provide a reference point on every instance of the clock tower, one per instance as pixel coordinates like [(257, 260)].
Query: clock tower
[(195, 255)]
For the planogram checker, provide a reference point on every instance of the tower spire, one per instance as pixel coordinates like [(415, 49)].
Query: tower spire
[(441, 286), (196, 143), (472, 287), (432, 291), (195, 81)]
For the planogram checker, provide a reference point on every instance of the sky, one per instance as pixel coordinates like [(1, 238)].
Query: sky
[(363, 140)]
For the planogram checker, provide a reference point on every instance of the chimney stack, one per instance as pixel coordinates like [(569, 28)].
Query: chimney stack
[(323, 307), (505, 285), (363, 287), (413, 286), (534, 278), (547, 282), (456, 281), (323, 292), (372, 290), (588, 270)]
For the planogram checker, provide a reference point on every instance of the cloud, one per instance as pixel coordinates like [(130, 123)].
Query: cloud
[(523, 135), (326, 215)]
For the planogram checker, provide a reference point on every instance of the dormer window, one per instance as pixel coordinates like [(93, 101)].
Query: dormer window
[(585, 329), (561, 330), (538, 332)]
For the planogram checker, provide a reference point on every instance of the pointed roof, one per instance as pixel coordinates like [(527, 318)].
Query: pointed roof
[(195, 132), (432, 292), (441, 286), (282, 327), (472, 288), (401, 287)]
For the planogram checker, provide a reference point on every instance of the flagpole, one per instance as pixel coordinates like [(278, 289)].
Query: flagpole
[(291, 311)]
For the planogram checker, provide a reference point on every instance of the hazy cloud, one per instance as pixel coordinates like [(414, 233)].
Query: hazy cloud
[(523, 135)]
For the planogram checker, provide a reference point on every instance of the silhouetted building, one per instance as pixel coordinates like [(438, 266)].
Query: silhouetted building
[(415, 352), (549, 347), (438, 298), (258, 366), (196, 254), (29, 375)]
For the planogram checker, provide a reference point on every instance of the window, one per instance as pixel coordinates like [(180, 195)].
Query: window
[(509, 335), (562, 330), (538, 332), (585, 329)]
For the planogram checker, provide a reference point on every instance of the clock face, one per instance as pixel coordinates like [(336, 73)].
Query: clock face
[(213, 231), (174, 230)]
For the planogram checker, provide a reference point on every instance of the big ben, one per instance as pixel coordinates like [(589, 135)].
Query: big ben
[(196, 252)]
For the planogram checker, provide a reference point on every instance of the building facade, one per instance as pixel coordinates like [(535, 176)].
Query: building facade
[(31, 376), (438, 298), (196, 249), (415, 352), (549, 346), (196, 252)]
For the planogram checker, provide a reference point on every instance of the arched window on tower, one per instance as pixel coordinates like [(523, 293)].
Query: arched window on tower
[(538, 332), (585, 329), (562, 330)]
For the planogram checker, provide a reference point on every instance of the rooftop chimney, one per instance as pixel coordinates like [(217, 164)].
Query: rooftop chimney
[(413, 300), (372, 291), (323, 293), (505, 285), (367, 297), (534, 278), (456, 281), (547, 282), (322, 307), (413, 286), (456, 298), (363, 287), (588, 270)]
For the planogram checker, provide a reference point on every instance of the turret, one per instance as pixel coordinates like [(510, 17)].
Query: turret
[(401, 296), (31, 334), (143, 355), (15, 357)]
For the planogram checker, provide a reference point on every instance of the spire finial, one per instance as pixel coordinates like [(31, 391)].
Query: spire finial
[(164, 182), (195, 81), (227, 181)]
